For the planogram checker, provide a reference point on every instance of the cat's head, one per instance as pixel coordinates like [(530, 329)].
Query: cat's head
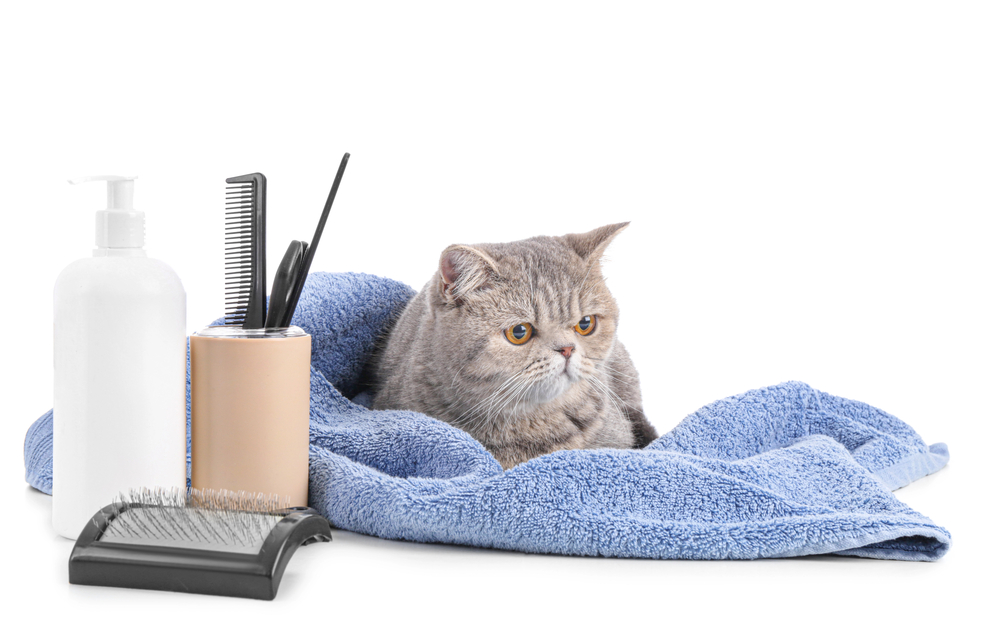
[(522, 323)]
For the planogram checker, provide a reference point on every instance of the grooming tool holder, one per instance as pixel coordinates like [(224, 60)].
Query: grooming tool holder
[(250, 411)]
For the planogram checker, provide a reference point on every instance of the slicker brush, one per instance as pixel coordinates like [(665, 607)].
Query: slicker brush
[(208, 542)]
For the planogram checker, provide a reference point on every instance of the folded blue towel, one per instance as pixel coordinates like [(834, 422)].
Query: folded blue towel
[(775, 472)]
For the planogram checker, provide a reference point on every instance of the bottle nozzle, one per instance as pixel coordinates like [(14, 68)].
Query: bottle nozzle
[(120, 189), (119, 225), (120, 194)]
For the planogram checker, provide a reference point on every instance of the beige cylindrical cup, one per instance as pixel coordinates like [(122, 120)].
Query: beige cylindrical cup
[(250, 411)]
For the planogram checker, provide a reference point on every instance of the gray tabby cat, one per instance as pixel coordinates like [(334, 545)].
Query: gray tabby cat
[(515, 343)]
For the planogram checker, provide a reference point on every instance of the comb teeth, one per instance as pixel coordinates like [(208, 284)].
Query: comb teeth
[(238, 296), (244, 250)]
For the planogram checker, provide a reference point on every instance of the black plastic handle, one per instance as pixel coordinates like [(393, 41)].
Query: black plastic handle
[(284, 284), (190, 570), (300, 279)]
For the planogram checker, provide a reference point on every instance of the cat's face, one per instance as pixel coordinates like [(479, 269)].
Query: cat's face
[(525, 322)]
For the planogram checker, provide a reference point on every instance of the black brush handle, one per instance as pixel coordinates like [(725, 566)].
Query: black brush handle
[(284, 283), (96, 562), (300, 277)]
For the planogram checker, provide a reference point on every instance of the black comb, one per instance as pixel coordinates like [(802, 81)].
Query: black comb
[(246, 272)]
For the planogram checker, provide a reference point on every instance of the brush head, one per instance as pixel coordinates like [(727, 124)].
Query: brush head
[(193, 518), (246, 271)]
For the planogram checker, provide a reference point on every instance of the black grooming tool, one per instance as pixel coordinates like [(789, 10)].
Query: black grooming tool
[(166, 542), (284, 282), (300, 276), (246, 270)]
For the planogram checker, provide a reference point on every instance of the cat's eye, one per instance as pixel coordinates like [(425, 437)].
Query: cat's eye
[(519, 334), (586, 325)]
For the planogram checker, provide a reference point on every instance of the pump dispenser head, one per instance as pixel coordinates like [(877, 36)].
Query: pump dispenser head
[(119, 227)]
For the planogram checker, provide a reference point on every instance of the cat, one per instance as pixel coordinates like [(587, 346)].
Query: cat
[(516, 344)]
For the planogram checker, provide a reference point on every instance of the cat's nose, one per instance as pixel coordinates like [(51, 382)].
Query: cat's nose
[(567, 351)]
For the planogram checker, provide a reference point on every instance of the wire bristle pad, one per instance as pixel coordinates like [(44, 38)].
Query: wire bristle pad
[(240, 200), (205, 517)]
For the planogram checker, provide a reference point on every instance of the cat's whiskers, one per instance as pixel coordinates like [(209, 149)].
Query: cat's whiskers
[(485, 412), (493, 408), (484, 403), (508, 409), (508, 405), (620, 375), (613, 400), (616, 402), (514, 398), (601, 365), (516, 411), (518, 397)]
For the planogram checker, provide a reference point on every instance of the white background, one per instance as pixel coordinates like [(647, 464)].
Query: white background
[(813, 195)]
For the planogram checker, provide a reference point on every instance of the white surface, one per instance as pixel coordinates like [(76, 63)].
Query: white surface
[(813, 196)]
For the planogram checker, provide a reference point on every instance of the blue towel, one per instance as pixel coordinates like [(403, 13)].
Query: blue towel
[(776, 472)]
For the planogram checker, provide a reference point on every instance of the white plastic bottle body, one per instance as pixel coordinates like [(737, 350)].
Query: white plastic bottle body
[(119, 415)]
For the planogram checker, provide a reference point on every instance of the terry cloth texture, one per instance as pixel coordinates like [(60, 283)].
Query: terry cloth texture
[(776, 472)]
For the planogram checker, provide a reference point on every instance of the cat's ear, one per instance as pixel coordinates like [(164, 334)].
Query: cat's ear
[(591, 245), (464, 269)]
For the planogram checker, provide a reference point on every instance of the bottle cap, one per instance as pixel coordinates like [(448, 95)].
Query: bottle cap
[(119, 226)]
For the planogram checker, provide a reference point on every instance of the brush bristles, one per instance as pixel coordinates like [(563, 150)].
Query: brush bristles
[(240, 202), (194, 517)]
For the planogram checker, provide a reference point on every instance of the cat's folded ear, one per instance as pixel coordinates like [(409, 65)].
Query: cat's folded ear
[(464, 270), (591, 245)]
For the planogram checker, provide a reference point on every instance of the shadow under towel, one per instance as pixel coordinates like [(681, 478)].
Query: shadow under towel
[(775, 472)]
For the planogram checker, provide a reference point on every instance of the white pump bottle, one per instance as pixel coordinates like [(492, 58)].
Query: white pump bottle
[(119, 415)]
